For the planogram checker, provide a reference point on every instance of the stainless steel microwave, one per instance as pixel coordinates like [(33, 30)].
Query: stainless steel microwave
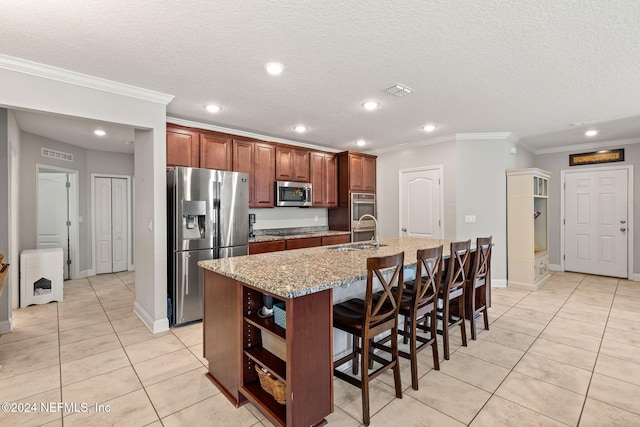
[(293, 193)]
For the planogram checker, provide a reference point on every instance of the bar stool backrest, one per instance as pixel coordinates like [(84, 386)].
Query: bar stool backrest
[(458, 265), (482, 263), (387, 306), (428, 276)]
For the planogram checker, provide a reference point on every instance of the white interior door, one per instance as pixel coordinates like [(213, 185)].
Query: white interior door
[(112, 228), (53, 213), (420, 204), (104, 244), (596, 222), (119, 226)]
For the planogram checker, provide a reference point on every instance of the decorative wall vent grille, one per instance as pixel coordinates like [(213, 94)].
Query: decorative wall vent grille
[(54, 154), (399, 90)]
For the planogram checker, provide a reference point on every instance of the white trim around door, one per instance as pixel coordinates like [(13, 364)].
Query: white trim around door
[(440, 172), (92, 272), (74, 214), (630, 225)]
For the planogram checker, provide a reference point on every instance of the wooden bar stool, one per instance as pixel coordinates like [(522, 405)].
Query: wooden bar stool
[(418, 306), (365, 319), (451, 295), (479, 284)]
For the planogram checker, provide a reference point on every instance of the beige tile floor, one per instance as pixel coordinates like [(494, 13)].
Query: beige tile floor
[(568, 354)]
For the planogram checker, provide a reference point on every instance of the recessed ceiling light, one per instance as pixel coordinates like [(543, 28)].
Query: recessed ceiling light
[(429, 128), (361, 142), (591, 132), (99, 132), (274, 68), (300, 128), (371, 105), (212, 108)]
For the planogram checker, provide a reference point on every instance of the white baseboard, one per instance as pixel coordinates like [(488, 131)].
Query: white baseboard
[(498, 283), (555, 267), (132, 267), (155, 326), (635, 277), (6, 327)]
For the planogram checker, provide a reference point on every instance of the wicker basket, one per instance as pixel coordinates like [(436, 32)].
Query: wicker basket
[(4, 270), (275, 388)]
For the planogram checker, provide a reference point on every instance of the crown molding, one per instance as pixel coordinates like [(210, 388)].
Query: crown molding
[(508, 136), (416, 144), (589, 146), (192, 124), (42, 70)]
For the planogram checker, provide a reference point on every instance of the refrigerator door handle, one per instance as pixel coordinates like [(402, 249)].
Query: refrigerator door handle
[(186, 269)]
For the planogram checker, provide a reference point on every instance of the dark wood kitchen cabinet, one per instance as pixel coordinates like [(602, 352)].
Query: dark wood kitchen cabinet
[(215, 152), (183, 147), (324, 178), (258, 160), (235, 342), (266, 247), (264, 169), (198, 149), (292, 164), (362, 173)]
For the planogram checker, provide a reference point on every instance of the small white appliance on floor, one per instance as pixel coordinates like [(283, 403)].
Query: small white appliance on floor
[(41, 276)]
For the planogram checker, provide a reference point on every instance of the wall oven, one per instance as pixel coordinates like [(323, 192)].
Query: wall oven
[(361, 204), (293, 193)]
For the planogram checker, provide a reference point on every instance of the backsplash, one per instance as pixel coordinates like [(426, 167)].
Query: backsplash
[(289, 218)]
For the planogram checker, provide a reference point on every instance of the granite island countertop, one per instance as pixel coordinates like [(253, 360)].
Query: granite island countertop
[(291, 274), (298, 235)]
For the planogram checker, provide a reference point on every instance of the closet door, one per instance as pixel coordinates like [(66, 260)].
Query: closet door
[(104, 246), (119, 226)]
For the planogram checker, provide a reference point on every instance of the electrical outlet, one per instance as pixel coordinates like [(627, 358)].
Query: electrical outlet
[(469, 218), (316, 218)]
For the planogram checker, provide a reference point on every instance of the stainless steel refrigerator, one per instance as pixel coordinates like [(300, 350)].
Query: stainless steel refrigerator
[(207, 218)]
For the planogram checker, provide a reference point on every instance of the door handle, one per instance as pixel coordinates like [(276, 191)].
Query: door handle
[(622, 221), (404, 229), (623, 229)]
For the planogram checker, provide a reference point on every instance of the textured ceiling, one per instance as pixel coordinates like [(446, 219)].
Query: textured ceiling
[(531, 67)]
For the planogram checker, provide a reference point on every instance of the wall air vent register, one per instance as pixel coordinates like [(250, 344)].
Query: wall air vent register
[(54, 154)]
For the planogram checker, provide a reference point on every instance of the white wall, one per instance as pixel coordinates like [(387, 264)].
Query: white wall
[(5, 309), (555, 163), (86, 162), (25, 85), (30, 156), (388, 166), (14, 199), (289, 218), (474, 184), (482, 191)]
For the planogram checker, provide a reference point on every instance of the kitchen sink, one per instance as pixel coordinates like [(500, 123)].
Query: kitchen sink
[(355, 247)]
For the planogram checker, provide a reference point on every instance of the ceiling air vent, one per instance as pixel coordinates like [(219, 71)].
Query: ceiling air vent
[(399, 90), (53, 154)]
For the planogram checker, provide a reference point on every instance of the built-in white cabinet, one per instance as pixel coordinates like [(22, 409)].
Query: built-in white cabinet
[(527, 228)]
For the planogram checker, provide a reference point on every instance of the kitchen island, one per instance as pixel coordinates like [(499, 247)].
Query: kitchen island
[(309, 282)]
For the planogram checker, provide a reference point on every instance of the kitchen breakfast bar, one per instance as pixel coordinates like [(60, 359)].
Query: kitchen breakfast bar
[(300, 356)]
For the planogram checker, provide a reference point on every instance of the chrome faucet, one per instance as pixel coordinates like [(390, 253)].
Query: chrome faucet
[(377, 242)]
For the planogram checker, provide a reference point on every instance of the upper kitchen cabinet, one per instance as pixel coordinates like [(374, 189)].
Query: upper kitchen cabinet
[(264, 168), (215, 152), (361, 171), (191, 148), (292, 164), (183, 147), (323, 173), (258, 160)]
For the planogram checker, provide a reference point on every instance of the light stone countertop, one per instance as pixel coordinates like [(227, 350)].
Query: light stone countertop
[(272, 237), (294, 273)]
